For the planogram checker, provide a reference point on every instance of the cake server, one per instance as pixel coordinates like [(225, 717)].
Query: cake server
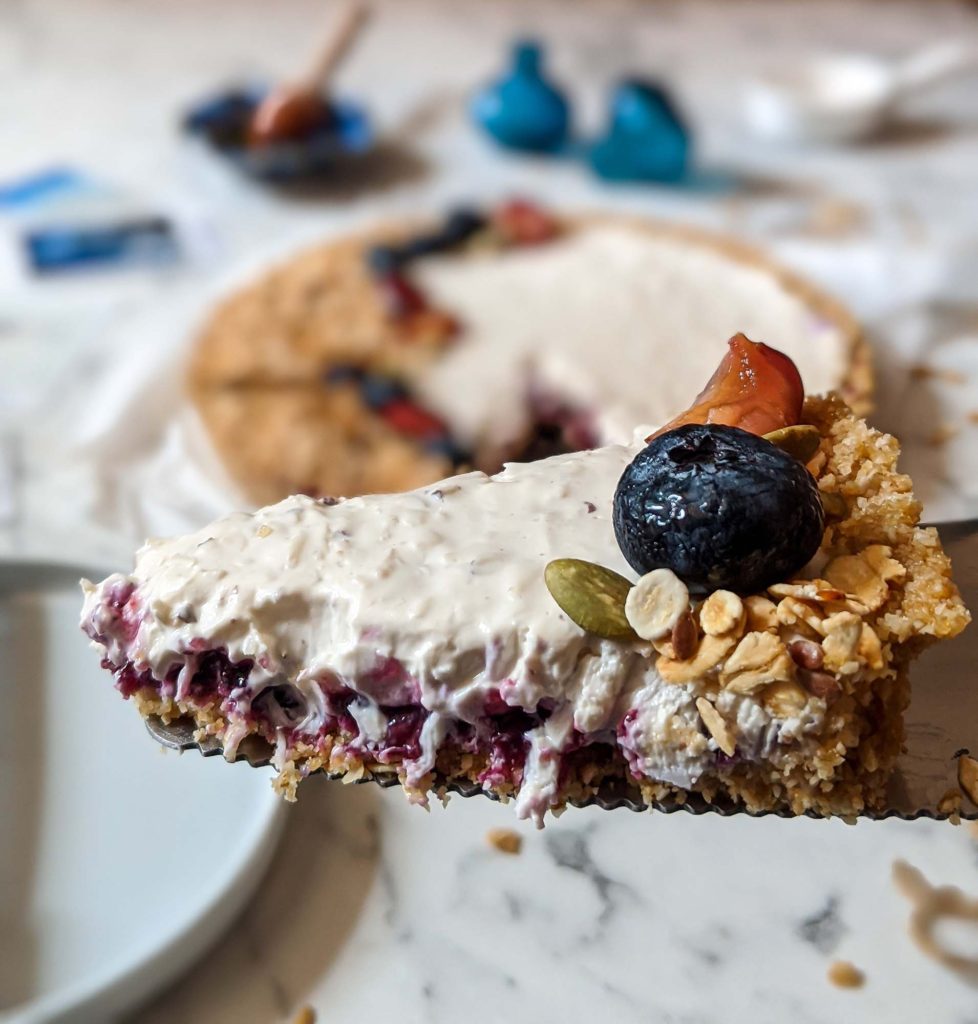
[(941, 725)]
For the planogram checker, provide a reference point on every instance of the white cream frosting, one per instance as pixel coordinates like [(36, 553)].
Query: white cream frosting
[(624, 322), (447, 581)]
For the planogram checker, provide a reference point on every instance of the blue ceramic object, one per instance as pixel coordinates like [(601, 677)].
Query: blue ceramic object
[(647, 139), (221, 121), (523, 110)]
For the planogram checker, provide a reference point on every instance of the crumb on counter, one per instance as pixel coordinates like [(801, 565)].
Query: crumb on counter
[(505, 840), (944, 433), (845, 975), (307, 1015)]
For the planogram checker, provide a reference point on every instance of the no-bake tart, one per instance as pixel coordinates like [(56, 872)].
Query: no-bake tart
[(726, 606), (390, 359)]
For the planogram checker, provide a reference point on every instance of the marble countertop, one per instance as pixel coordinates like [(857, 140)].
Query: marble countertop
[(374, 909)]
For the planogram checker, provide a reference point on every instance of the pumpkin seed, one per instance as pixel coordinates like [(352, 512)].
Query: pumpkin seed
[(591, 596), (801, 441)]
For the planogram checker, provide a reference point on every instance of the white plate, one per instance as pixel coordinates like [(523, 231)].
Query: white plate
[(119, 864)]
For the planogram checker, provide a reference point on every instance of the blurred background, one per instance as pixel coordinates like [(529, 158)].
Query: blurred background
[(839, 139)]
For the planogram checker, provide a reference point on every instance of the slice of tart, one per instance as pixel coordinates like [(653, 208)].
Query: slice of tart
[(389, 359), (709, 611)]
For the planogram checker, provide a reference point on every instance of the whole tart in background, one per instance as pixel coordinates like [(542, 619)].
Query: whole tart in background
[(387, 360)]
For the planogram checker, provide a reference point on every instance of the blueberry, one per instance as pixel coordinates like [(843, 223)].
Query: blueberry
[(343, 373), (386, 259), (461, 223), (449, 449), (720, 507), (378, 390)]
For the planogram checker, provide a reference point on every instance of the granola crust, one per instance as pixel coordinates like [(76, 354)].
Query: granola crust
[(862, 732), (256, 372)]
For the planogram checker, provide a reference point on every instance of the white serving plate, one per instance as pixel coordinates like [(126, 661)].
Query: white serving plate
[(119, 864)]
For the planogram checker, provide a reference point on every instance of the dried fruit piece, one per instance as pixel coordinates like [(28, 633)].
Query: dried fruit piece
[(722, 612), (591, 596), (655, 603), (800, 440), (968, 777), (412, 421), (520, 222), (716, 726), (755, 387)]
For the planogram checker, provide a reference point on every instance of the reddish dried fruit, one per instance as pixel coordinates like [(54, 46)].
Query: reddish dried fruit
[(413, 421), (522, 223), (400, 297), (755, 387), (428, 327)]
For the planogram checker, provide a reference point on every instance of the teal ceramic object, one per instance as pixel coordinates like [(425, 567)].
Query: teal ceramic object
[(523, 110)]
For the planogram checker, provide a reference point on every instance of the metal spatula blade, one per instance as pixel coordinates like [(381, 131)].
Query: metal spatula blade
[(941, 723)]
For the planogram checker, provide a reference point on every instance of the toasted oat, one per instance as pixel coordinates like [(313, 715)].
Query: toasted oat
[(307, 1015), (793, 612), (950, 803), (864, 576), (843, 631), (264, 530), (845, 975), (762, 615), (760, 658), (784, 699), (721, 613), (709, 655), (716, 726), (820, 591), (655, 603), (968, 777), (870, 650), (505, 840)]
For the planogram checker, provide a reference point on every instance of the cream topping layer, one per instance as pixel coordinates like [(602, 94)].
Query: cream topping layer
[(447, 583), (625, 322)]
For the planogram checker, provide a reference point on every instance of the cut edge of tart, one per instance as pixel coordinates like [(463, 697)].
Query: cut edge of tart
[(344, 634)]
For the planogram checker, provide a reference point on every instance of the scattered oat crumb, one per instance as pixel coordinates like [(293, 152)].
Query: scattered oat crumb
[(307, 1015), (505, 840), (968, 777), (950, 803), (942, 435), (973, 829), (834, 218), (923, 372), (846, 975)]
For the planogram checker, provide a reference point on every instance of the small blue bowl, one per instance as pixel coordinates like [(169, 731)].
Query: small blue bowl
[(221, 122)]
